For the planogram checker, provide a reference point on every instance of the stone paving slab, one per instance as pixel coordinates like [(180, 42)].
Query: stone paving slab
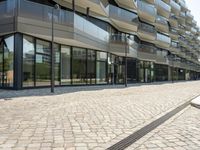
[(78, 118), (181, 132), (196, 102)]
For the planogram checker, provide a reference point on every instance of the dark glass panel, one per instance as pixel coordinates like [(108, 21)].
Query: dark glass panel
[(43, 64), (43, 47), (8, 61), (91, 64), (57, 64), (65, 65), (101, 68), (28, 61), (79, 66)]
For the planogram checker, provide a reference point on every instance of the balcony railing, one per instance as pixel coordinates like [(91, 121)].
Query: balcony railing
[(123, 39), (175, 6), (42, 12), (161, 20), (7, 8), (163, 38), (147, 28), (145, 7), (163, 5), (122, 14)]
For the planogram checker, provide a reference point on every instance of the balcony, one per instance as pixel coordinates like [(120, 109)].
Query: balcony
[(6, 18), (173, 20), (173, 34), (123, 19), (147, 52), (183, 5), (146, 12), (163, 8), (96, 6), (146, 32), (35, 19), (129, 4), (162, 24), (118, 43), (174, 48), (175, 8), (163, 41), (189, 16)]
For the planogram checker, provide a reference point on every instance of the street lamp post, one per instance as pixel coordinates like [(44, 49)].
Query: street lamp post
[(52, 49)]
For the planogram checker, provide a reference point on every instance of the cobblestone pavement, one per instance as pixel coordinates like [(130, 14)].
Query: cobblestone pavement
[(81, 118), (181, 132)]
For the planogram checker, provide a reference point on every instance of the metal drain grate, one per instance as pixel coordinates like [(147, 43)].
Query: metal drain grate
[(146, 129)]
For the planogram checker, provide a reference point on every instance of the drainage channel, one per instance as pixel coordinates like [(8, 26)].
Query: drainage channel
[(131, 139)]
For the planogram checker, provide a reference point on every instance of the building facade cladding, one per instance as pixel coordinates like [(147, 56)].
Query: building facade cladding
[(94, 39)]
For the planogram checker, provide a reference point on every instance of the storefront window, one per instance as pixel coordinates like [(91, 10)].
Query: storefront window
[(8, 61), (65, 65), (57, 64), (79, 66), (28, 61), (43, 64), (91, 64), (101, 68)]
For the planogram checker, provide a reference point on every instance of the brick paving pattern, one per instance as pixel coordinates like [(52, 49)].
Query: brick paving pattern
[(81, 118), (181, 132)]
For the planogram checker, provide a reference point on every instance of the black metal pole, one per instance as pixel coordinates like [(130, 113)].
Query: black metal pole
[(172, 71), (52, 53), (126, 46)]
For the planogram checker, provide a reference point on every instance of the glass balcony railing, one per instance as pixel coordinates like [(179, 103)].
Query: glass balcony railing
[(147, 48), (7, 9), (163, 5), (146, 8), (41, 12), (163, 38), (147, 28), (161, 20), (122, 14), (175, 5), (123, 39)]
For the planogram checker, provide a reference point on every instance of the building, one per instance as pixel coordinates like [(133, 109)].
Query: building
[(97, 42)]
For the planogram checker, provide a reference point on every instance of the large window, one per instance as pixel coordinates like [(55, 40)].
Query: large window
[(65, 65), (91, 67), (43, 64), (101, 68), (28, 61), (57, 64), (79, 66), (6, 61)]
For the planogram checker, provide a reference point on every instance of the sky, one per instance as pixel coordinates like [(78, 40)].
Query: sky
[(194, 6)]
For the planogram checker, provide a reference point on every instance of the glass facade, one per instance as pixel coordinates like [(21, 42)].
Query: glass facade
[(7, 61), (91, 67), (79, 66), (42, 63), (101, 68), (146, 71), (65, 65), (28, 61), (161, 72), (76, 66)]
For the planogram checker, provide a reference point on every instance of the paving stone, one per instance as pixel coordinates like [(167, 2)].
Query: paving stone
[(96, 116)]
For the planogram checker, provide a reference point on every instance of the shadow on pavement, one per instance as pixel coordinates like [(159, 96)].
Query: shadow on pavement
[(9, 94)]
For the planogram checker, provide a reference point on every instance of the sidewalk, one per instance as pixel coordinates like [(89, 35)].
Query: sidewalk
[(92, 118)]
